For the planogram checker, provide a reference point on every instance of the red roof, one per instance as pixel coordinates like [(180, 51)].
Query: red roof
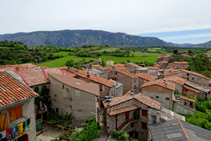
[(140, 97), (156, 65), (160, 82), (13, 91), (165, 55), (123, 109), (171, 71), (164, 62), (33, 76), (192, 89), (129, 92), (127, 73), (95, 78), (188, 99), (56, 70), (145, 76), (207, 53), (20, 66), (176, 79), (68, 73)]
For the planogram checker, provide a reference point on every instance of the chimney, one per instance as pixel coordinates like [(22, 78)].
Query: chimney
[(17, 68), (88, 77), (132, 92), (157, 116)]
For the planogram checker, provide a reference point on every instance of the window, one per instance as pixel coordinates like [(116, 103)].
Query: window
[(144, 113), (57, 110), (115, 72), (186, 90), (187, 78), (36, 89), (187, 74), (3, 122), (101, 87), (55, 95), (185, 103), (15, 113), (192, 78), (132, 124), (157, 96), (167, 98), (191, 104), (62, 86), (144, 126)]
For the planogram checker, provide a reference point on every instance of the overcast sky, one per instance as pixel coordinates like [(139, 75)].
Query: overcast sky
[(137, 17)]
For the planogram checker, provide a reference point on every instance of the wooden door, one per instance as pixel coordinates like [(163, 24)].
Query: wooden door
[(127, 116)]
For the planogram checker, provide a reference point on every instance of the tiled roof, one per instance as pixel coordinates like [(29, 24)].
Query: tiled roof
[(205, 86), (119, 65), (145, 76), (68, 73), (63, 68), (188, 99), (33, 76), (123, 109), (129, 92), (20, 66), (192, 89), (165, 55), (95, 78), (195, 73), (140, 97), (127, 73), (163, 62), (176, 79), (121, 68), (56, 70), (178, 63), (102, 68), (207, 53), (13, 91), (77, 83), (160, 82), (171, 71), (156, 65), (153, 68)]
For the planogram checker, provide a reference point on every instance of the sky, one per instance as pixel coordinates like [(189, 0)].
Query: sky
[(178, 21)]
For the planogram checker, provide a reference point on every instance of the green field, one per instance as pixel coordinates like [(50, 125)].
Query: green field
[(108, 49), (153, 49), (64, 53), (61, 61)]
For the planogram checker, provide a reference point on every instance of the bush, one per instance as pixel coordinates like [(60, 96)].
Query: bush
[(120, 135)]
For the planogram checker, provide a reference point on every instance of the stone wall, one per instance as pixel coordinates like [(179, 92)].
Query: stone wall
[(153, 72), (195, 78), (180, 108)]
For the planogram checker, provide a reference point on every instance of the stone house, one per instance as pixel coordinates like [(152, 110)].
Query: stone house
[(132, 67), (71, 95), (99, 73), (153, 71), (164, 57), (119, 115), (164, 64), (208, 54), (142, 70), (106, 87), (189, 75), (16, 108), (188, 102), (143, 78), (129, 80), (159, 90), (178, 65), (157, 65), (118, 89)]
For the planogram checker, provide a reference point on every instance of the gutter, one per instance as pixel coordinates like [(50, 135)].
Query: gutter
[(20, 102)]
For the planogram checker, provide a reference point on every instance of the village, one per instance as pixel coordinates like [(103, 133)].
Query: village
[(146, 102)]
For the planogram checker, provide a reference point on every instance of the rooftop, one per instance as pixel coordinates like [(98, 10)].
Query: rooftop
[(179, 63), (188, 99), (207, 53), (160, 82), (156, 65), (192, 89), (95, 71), (77, 83), (20, 66), (145, 76), (117, 84), (176, 79), (68, 73), (153, 68), (140, 97), (95, 78), (127, 73), (13, 91)]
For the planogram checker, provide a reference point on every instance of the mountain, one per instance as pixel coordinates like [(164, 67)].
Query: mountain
[(74, 38), (206, 44), (184, 45)]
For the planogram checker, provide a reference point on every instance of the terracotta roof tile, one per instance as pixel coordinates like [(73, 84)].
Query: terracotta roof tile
[(77, 83), (153, 68), (20, 66), (56, 70), (165, 55), (123, 109), (160, 82), (145, 76), (33, 76), (207, 53), (121, 68), (163, 62), (176, 79), (171, 71), (13, 91), (68, 73), (119, 65), (129, 92), (95, 78), (63, 68), (127, 73), (102, 68), (156, 65), (188, 99), (140, 97)]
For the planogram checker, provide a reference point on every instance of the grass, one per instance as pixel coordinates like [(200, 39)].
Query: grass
[(64, 53), (108, 49), (151, 59), (140, 54), (61, 61), (153, 49)]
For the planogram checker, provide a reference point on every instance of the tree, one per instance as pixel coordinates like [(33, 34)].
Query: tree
[(175, 51), (70, 63), (103, 62)]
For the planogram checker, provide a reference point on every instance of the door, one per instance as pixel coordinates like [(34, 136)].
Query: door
[(127, 116)]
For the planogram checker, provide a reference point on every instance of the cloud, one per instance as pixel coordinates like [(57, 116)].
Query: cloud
[(133, 17)]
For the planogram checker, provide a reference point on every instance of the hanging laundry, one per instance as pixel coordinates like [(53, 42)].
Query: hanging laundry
[(11, 131), (25, 124), (3, 134), (20, 127), (8, 131)]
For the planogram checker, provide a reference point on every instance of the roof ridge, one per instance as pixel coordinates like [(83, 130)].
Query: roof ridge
[(183, 129)]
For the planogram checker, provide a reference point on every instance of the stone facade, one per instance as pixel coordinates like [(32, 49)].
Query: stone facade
[(28, 112), (153, 72), (67, 100)]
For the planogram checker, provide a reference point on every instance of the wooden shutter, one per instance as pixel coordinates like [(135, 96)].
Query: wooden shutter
[(15, 113), (3, 122)]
